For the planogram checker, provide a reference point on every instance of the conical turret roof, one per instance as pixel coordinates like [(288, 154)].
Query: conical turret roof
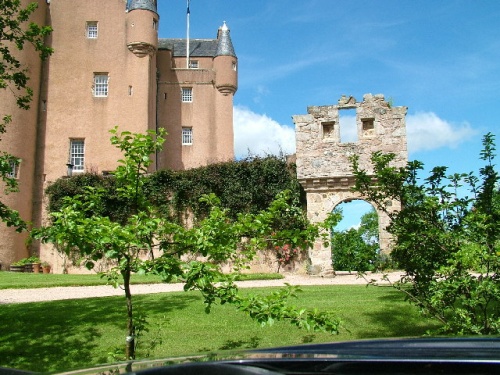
[(224, 46), (142, 4)]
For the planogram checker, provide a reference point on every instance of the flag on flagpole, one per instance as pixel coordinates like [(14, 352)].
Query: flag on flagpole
[(188, 11)]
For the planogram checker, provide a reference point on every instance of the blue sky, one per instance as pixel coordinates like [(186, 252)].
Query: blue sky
[(441, 59)]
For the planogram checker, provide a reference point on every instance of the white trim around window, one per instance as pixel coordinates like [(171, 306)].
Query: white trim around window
[(77, 154), (187, 135), (91, 30), (101, 85), (14, 169), (187, 94)]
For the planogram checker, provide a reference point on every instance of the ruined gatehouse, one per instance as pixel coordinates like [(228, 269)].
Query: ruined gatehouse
[(323, 165)]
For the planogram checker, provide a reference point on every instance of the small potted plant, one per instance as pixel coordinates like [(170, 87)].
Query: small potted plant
[(45, 267), (33, 264), (37, 264)]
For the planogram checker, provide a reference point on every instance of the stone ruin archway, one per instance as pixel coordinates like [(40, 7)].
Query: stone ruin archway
[(323, 166)]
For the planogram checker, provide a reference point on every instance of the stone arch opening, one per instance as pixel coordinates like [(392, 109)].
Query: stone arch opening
[(352, 210), (355, 242), (324, 166)]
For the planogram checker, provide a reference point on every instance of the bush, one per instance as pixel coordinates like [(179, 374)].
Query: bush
[(447, 240)]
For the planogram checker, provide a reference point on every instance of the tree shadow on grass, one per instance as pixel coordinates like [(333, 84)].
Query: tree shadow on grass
[(63, 335), (251, 343), (396, 317), (307, 339)]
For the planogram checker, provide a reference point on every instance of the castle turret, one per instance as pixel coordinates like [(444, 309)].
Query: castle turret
[(142, 27), (225, 63)]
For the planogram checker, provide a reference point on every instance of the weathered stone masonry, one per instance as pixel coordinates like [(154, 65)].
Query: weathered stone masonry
[(323, 166)]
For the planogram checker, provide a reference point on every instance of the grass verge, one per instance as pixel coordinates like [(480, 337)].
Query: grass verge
[(15, 280), (63, 335)]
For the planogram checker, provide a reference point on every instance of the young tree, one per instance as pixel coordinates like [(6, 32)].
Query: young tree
[(368, 228), (146, 242), (15, 34), (446, 238)]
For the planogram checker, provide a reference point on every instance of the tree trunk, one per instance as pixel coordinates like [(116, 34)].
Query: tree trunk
[(130, 339)]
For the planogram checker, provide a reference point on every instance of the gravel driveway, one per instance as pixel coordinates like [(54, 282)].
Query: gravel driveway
[(60, 293)]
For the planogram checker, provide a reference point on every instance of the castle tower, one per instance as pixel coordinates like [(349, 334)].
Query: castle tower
[(195, 104), (142, 41), (142, 27), (20, 141), (226, 82), (102, 74), (225, 63)]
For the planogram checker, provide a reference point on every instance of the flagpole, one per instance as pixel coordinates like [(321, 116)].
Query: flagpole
[(187, 38)]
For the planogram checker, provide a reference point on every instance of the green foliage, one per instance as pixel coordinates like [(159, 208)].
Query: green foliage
[(243, 186), (351, 252), (446, 240), (113, 205), (357, 249), (248, 185), (15, 34), (146, 241), (369, 227)]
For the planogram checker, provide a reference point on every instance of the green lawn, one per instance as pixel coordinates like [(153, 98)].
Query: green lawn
[(63, 335), (38, 280)]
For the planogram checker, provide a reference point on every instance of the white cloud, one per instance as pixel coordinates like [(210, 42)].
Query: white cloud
[(426, 131), (260, 135)]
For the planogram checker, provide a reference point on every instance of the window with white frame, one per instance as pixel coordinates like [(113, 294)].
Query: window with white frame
[(193, 64), (14, 169), (187, 136), (101, 84), (77, 154), (92, 29), (187, 94)]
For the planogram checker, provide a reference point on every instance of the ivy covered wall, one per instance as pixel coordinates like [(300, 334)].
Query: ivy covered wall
[(248, 185)]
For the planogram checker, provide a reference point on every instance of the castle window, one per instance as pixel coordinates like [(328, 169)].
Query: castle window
[(77, 154), (368, 124), (101, 84), (187, 94), (193, 64), (92, 29), (234, 66), (327, 128), (155, 24), (187, 136), (14, 169)]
